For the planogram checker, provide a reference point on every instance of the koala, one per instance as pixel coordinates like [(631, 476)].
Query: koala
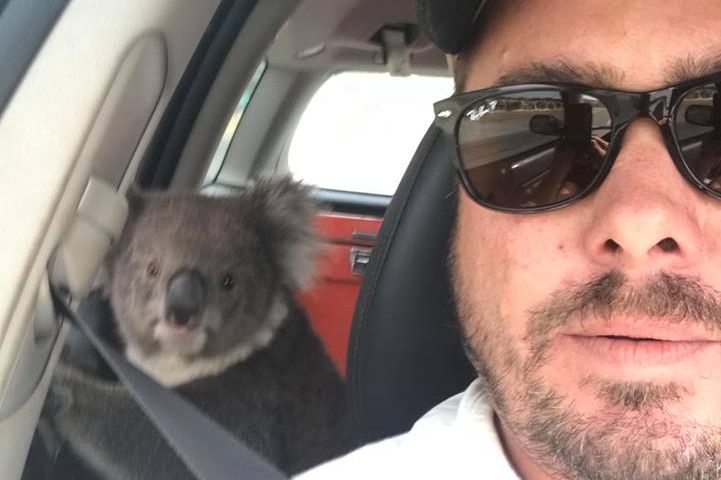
[(201, 290), (200, 283)]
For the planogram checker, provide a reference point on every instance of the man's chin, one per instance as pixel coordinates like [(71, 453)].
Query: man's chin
[(595, 388), (657, 413), (599, 438)]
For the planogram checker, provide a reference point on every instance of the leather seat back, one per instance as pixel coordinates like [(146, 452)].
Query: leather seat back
[(405, 353)]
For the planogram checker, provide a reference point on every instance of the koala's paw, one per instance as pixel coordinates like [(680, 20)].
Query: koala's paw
[(60, 393), (75, 396)]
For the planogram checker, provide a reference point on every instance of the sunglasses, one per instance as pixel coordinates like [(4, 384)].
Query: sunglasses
[(539, 147)]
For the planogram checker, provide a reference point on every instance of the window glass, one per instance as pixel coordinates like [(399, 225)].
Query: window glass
[(232, 126), (361, 129), (23, 29)]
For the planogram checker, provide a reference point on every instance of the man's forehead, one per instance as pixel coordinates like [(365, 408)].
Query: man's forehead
[(629, 45)]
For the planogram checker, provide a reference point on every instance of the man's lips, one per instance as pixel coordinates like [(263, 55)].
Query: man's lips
[(642, 344), (639, 352)]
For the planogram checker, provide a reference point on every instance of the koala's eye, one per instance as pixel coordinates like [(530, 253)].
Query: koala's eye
[(152, 269), (227, 282)]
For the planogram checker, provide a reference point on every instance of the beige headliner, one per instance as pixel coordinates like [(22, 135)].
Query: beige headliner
[(342, 32)]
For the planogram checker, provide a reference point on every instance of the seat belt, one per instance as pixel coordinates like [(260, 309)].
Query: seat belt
[(208, 450)]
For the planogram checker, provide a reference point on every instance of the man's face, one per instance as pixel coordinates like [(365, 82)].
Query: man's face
[(598, 326)]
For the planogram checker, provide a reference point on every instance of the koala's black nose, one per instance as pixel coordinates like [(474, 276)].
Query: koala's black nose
[(185, 298)]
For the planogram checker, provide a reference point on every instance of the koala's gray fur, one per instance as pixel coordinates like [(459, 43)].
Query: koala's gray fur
[(201, 290)]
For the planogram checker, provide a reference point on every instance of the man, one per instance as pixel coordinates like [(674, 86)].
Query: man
[(587, 241)]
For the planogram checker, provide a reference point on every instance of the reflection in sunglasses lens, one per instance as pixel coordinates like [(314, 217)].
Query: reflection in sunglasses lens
[(534, 148), (698, 132)]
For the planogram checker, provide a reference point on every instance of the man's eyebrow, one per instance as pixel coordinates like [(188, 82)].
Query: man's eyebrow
[(682, 69), (561, 71), (606, 76)]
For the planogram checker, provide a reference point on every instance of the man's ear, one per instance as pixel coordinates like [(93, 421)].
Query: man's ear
[(286, 215)]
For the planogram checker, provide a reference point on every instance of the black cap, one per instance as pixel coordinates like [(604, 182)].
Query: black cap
[(448, 23)]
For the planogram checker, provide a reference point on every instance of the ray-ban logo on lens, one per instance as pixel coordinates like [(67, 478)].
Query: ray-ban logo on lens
[(475, 114)]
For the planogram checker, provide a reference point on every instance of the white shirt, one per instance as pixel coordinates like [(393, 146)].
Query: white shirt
[(457, 439)]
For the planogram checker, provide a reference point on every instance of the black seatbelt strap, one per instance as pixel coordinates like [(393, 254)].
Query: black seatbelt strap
[(206, 448)]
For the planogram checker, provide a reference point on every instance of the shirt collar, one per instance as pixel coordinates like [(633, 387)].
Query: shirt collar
[(475, 421)]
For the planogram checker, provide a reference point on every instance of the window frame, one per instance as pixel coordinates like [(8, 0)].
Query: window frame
[(268, 157)]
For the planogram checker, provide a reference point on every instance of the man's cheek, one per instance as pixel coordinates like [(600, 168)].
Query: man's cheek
[(531, 275)]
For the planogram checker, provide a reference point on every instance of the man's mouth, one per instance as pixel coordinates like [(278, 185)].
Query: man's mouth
[(639, 351), (641, 342), (639, 345)]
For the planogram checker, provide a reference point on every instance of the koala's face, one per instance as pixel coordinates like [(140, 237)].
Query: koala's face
[(195, 276)]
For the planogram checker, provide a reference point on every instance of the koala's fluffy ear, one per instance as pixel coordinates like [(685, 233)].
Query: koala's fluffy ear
[(287, 214), (137, 201)]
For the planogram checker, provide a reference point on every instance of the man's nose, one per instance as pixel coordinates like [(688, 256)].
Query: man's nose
[(646, 216)]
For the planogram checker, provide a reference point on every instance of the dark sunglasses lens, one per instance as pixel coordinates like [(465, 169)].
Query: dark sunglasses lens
[(698, 131), (533, 149)]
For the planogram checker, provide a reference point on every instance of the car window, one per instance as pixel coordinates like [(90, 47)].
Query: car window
[(222, 150), (361, 129), (23, 28)]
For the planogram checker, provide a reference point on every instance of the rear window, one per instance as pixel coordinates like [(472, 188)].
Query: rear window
[(361, 129)]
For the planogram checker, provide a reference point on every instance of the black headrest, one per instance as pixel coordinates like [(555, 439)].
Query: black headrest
[(405, 354), (448, 23)]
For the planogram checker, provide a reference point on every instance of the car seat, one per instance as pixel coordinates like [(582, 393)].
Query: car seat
[(405, 353)]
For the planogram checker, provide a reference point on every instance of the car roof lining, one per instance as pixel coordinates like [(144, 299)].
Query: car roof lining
[(325, 34)]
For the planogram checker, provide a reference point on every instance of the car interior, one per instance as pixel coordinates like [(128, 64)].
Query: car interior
[(208, 96)]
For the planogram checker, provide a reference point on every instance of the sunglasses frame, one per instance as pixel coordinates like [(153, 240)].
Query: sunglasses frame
[(624, 107)]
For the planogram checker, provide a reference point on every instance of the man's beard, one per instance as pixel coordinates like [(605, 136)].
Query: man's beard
[(633, 437)]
